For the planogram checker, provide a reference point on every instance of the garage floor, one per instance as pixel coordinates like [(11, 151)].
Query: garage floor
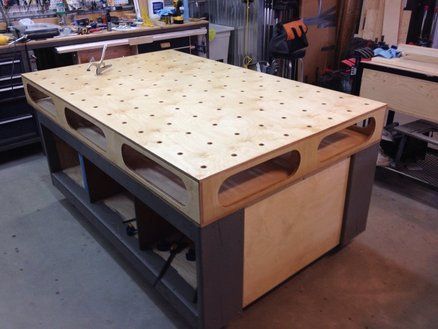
[(56, 271)]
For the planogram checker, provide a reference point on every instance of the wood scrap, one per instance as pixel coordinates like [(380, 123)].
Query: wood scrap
[(404, 26), (391, 21), (420, 54), (371, 20)]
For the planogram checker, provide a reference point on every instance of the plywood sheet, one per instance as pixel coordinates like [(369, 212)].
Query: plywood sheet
[(371, 20), (419, 54), (391, 21), (411, 96), (199, 122), (201, 116), (404, 26), (292, 228), (123, 204), (429, 69)]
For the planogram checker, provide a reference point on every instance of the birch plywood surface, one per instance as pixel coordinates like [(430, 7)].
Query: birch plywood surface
[(201, 116), (207, 137), (292, 228)]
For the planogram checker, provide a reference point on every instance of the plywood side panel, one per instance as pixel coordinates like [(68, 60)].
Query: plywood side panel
[(411, 96), (292, 228)]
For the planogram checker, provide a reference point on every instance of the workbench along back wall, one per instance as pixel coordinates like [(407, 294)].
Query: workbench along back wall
[(212, 139)]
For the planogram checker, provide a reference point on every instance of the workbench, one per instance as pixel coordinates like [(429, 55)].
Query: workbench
[(17, 122), (407, 85), (259, 175), (104, 35)]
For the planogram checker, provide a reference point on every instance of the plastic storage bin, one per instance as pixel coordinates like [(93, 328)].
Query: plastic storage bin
[(220, 45)]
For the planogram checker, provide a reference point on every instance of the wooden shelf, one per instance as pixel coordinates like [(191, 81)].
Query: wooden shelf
[(122, 204), (75, 174)]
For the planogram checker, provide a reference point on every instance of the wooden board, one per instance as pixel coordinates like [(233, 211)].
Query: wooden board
[(371, 20), (404, 26), (391, 21), (411, 96), (419, 54), (370, 24), (429, 69), (201, 120), (122, 204), (292, 228)]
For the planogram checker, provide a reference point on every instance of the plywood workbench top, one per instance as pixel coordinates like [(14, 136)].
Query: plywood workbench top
[(201, 116)]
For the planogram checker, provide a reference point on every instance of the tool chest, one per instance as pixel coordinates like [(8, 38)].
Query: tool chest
[(17, 120)]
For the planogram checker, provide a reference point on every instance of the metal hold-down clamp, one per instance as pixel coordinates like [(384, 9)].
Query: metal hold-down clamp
[(100, 66)]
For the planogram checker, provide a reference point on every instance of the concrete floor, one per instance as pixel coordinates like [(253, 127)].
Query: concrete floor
[(56, 271)]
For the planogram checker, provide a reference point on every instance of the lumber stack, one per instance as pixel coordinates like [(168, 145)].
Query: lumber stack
[(387, 19)]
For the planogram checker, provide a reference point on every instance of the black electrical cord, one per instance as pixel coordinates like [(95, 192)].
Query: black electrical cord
[(176, 248), (14, 58), (12, 71)]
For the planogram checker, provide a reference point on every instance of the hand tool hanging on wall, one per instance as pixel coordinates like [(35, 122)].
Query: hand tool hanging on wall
[(288, 44)]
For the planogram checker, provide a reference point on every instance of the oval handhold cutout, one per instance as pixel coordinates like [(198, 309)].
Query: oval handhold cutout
[(86, 128), (346, 139), (43, 100), (258, 178), (155, 174)]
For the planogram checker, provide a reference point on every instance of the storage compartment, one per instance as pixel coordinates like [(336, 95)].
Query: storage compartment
[(10, 65), (15, 131), (10, 80), (43, 101), (14, 108), (155, 174), (176, 249), (68, 161), (180, 43), (258, 178), (86, 128), (155, 237), (345, 140), (12, 91)]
